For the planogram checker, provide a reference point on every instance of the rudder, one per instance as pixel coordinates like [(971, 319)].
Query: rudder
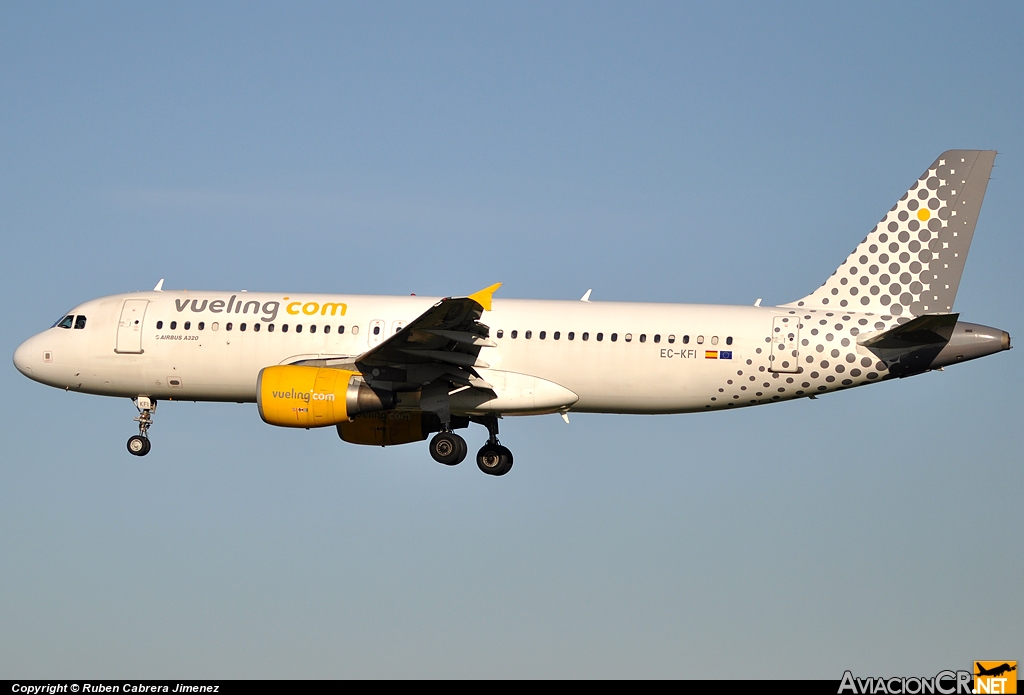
[(912, 261)]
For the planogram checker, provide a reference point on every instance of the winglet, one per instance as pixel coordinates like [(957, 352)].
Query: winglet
[(483, 297), (586, 296), (159, 286)]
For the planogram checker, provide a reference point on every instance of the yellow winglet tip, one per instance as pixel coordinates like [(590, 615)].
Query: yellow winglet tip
[(483, 297)]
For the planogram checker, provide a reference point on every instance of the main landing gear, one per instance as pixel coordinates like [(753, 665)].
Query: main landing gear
[(139, 445), (493, 459), (448, 448)]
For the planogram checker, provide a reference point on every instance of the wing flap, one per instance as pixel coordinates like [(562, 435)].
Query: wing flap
[(441, 344)]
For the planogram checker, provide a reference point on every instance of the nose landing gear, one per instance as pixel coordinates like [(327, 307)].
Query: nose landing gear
[(139, 444)]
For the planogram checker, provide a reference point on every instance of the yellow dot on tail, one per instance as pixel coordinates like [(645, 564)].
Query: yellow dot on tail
[(923, 214)]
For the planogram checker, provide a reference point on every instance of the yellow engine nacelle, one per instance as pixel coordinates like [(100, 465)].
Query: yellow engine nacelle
[(294, 396)]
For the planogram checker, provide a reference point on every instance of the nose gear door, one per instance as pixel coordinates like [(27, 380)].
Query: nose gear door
[(129, 328), (785, 354)]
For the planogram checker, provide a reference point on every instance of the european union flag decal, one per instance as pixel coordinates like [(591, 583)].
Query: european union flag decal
[(725, 355)]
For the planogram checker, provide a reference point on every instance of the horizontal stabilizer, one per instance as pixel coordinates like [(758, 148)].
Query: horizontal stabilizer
[(910, 348)]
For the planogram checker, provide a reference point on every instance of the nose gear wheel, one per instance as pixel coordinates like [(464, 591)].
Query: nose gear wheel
[(138, 445)]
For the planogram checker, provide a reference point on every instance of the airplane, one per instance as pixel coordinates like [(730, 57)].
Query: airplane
[(394, 370), (995, 671)]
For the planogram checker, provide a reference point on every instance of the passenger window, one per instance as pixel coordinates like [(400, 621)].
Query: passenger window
[(66, 322), (255, 327), (227, 327), (355, 330), (600, 336), (557, 335), (241, 326), (671, 339), (327, 329), (515, 334), (341, 329), (79, 322), (700, 340), (298, 328), (572, 336), (201, 325), (174, 324), (312, 329), (686, 339), (188, 325), (501, 333), (270, 327), (714, 340), (643, 337), (728, 341), (284, 327), (615, 336), (586, 336), (628, 337), (529, 334), (657, 338), (214, 326), (376, 330), (159, 325), (543, 335)]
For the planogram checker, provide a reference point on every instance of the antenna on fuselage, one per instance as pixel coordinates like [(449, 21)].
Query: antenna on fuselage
[(159, 286)]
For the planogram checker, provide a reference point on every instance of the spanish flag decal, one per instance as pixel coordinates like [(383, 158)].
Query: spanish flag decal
[(711, 354)]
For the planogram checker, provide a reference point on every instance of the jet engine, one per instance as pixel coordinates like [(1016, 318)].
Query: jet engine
[(296, 396)]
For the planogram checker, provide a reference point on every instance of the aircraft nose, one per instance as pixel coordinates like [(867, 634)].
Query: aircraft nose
[(23, 357)]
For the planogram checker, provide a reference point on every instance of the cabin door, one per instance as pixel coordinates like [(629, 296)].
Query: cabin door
[(785, 354), (129, 328)]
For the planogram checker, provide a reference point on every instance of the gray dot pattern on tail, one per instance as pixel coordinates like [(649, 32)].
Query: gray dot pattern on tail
[(910, 263)]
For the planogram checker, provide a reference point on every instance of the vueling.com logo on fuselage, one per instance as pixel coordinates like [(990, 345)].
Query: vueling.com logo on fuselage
[(304, 396), (268, 310)]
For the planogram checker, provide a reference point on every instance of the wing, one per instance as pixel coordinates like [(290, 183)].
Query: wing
[(441, 344)]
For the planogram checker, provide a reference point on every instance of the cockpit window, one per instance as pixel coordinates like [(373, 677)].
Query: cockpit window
[(65, 322), (79, 322)]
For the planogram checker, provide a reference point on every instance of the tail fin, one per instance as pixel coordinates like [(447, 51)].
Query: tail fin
[(912, 260)]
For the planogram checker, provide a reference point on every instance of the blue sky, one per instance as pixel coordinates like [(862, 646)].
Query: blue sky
[(654, 152)]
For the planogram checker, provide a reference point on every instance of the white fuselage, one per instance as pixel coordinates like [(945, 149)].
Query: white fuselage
[(621, 357)]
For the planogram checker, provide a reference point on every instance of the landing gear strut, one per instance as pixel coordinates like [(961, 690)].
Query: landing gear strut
[(493, 458), (139, 445)]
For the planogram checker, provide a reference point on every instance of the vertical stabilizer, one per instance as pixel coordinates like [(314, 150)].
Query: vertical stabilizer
[(911, 262)]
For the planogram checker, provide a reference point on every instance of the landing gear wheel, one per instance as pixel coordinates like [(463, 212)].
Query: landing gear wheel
[(138, 446), (494, 459), (448, 448)]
